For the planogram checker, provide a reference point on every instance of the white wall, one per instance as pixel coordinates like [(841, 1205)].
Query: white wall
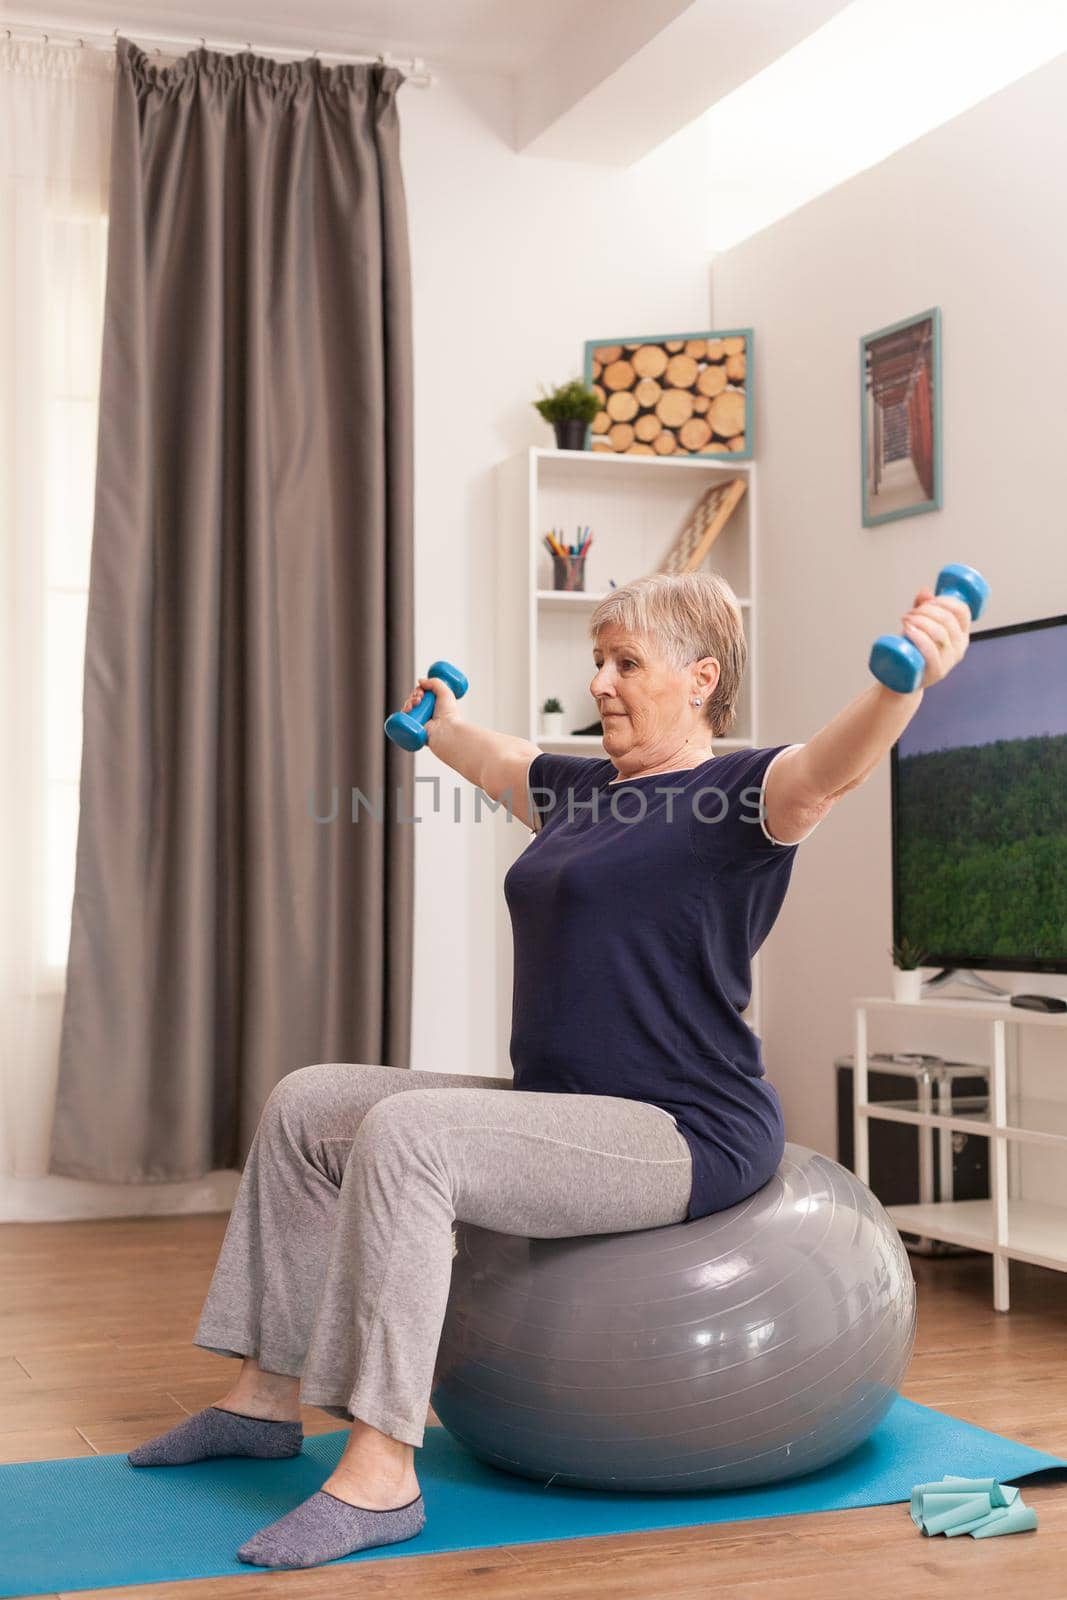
[(967, 218), (516, 262)]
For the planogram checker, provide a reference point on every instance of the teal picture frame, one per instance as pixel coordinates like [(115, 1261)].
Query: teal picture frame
[(900, 419), (633, 342)]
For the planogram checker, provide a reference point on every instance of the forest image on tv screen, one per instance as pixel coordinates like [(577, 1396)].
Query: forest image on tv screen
[(981, 805)]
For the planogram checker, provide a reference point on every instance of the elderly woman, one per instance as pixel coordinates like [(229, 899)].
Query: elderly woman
[(639, 1096)]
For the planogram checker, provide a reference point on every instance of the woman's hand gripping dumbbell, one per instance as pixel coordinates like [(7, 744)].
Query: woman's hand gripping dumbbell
[(936, 632), (434, 698)]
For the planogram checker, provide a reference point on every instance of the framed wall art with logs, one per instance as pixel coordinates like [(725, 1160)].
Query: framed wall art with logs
[(673, 394)]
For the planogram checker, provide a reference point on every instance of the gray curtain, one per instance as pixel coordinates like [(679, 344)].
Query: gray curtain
[(250, 613)]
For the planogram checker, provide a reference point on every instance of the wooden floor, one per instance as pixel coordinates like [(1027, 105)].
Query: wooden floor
[(95, 1323)]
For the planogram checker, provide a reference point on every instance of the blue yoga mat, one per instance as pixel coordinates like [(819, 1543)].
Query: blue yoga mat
[(96, 1522)]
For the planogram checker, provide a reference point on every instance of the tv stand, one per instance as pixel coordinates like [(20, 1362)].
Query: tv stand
[(968, 978), (1005, 1226)]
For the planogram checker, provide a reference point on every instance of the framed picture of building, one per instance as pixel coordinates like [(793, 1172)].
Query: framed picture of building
[(673, 394), (900, 396)]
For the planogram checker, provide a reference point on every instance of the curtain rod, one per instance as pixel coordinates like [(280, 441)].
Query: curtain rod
[(413, 69)]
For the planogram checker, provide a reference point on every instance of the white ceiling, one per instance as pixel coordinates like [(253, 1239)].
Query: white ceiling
[(603, 81)]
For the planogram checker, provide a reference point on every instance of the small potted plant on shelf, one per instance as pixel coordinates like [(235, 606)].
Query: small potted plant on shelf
[(570, 409), (907, 979), (552, 718)]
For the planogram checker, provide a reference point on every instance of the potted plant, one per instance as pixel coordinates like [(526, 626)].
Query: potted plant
[(570, 409), (552, 718), (907, 979)]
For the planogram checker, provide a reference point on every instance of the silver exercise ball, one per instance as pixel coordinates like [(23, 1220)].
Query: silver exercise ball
[(753, 1345)]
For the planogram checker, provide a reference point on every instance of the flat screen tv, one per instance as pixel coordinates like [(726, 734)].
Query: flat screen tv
[(979, 797)]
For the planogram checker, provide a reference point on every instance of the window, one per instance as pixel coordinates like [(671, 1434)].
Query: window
[(77, 258)]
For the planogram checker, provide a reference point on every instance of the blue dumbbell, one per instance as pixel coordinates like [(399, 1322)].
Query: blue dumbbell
[(408, 728), (899, 664)]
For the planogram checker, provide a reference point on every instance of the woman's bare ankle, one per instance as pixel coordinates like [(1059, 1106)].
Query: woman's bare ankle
[(264, 1410), (271, 1396)]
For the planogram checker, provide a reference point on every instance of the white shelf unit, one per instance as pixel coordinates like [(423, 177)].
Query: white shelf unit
[(635, 507), (1008, 1228)]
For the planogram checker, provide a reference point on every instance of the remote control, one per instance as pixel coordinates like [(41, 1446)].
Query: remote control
[(1039, 1002)]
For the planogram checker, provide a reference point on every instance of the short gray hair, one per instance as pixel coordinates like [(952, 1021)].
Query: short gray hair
[(685, 616)]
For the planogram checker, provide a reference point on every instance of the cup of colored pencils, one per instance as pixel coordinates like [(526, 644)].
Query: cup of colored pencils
[(568, 560)]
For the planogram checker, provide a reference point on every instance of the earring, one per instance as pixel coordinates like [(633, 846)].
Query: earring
[(696, 702)]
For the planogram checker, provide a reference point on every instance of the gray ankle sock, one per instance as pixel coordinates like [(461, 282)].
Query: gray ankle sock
[(215, 1432), (325, 1529)]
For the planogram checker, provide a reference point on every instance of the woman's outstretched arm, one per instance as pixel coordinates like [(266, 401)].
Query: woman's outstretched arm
[(497, 763), (842, 755)]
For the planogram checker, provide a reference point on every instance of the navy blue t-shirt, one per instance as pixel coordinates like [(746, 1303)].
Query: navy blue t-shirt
[(635, 911)]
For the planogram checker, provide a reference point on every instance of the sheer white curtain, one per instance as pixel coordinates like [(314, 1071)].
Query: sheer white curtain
[(55, 134)]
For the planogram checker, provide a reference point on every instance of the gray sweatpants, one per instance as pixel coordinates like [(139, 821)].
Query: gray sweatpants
[(337, 1258)]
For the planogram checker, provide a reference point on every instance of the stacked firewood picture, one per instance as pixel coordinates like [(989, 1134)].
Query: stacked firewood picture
[(672, 396)]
